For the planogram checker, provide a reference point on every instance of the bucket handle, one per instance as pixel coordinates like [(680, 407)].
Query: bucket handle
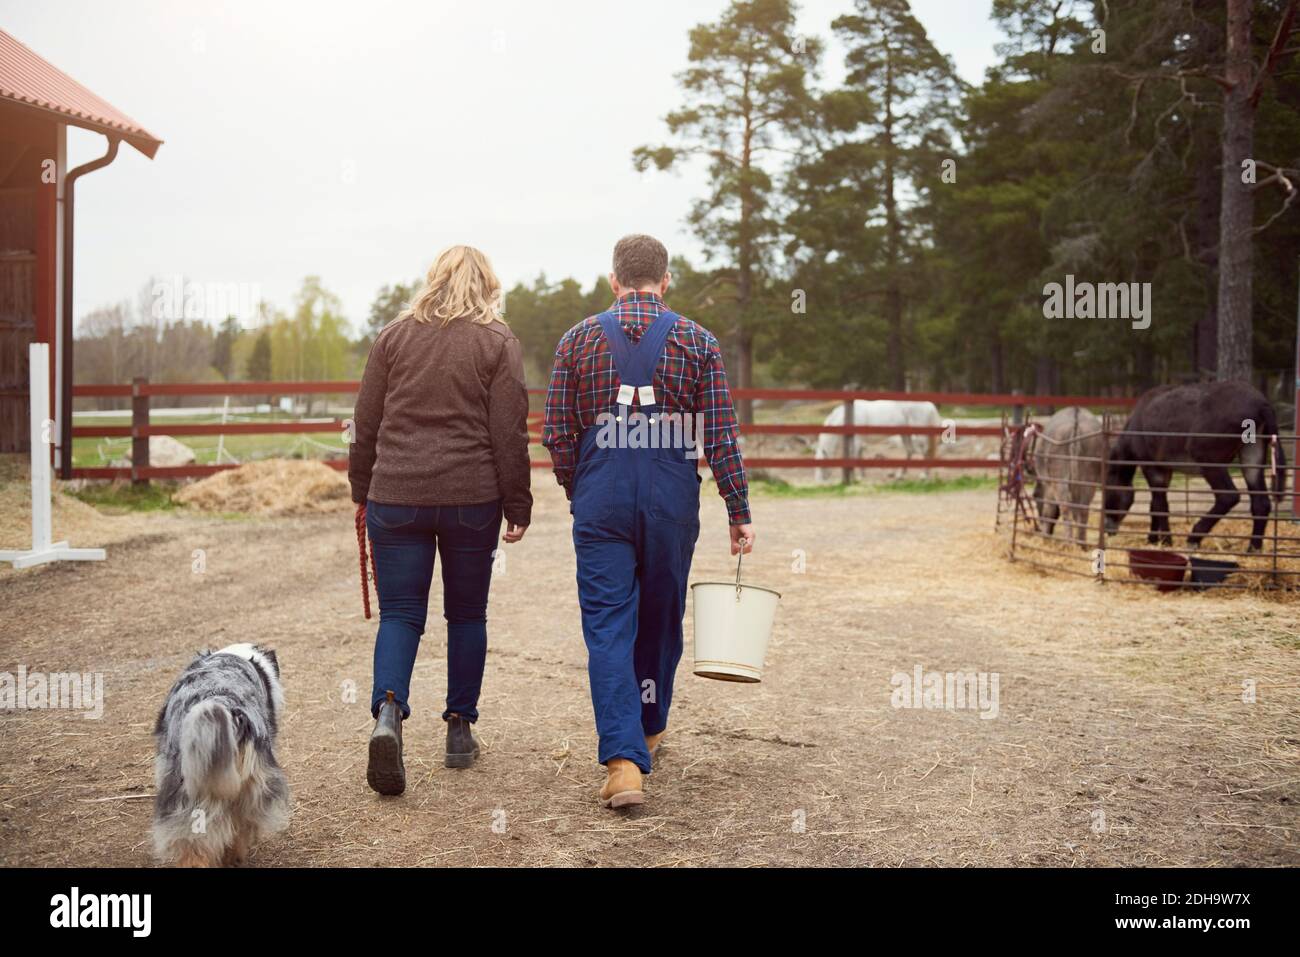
[(740, 557)]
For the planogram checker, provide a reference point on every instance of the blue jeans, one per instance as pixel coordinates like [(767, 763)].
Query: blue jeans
[(405, 539)]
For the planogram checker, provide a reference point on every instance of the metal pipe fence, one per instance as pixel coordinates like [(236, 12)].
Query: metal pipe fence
[(1052, 503)]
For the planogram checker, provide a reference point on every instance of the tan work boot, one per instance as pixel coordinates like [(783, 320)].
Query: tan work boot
[(652, 741), (622, 784)]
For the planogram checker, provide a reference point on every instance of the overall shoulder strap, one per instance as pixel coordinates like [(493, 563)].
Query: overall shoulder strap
[(645, 354), (620, 350), (655, 337)]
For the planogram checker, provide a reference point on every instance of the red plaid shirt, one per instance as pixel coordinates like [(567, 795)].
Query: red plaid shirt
[(690, 378)]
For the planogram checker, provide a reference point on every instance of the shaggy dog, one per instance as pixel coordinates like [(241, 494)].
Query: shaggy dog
[(219, 789)]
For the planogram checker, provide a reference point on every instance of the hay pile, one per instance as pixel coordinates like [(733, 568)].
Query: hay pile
[(72, 520), (271, 487)]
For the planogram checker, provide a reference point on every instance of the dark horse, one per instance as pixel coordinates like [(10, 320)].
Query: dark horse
[(1233, 422)]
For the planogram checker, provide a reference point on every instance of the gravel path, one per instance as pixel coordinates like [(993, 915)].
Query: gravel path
[(1120, 738)]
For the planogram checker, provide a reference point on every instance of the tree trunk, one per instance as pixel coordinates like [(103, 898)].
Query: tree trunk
[(742, 358), (894, 356), (1044, 380), (743, 342), (1236, 218), (1206, 237), (741, 372), (1144, 364), (744, 337), (996, 364)]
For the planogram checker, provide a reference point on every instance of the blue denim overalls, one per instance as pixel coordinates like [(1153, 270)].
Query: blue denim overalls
[(636, 516)]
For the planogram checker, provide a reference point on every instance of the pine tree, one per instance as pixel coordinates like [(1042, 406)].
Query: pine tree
[(223, 347), (747, 95), (258, 368), (888, 132)]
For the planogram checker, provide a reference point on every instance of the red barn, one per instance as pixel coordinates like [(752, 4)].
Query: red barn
[(38, 102)]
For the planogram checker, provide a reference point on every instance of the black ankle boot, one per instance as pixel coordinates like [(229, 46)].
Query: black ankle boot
[(386, 774), (462, 746)]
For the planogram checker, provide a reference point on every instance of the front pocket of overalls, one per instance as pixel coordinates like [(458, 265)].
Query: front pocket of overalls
[(594, 489), (675, 496)]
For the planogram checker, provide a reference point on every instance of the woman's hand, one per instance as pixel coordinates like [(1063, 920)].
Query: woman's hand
[(514, 533)]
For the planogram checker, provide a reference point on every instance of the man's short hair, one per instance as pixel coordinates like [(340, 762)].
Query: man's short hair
[(640, 260)]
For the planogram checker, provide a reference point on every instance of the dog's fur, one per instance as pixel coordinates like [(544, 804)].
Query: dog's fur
[(219, 789)]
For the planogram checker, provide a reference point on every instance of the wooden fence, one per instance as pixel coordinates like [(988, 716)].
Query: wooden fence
[(141, 391)]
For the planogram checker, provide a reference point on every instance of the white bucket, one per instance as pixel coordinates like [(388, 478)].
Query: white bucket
[(733, 623)]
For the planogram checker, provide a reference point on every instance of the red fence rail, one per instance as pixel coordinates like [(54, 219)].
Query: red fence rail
[(141, 428)]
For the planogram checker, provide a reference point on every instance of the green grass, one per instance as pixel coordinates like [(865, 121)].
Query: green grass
[(99, 452), (778, 488), (962, 483), (118, 497), (92, 453)]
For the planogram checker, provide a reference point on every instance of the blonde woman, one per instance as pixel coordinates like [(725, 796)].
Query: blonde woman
[(440, 456)]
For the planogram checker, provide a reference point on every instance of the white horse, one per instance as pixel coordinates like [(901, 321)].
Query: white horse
[(878, 412)]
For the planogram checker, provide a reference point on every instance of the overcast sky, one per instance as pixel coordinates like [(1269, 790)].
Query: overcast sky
[(354, 140)]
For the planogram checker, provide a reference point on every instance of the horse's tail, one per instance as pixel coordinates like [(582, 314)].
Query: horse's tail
[(1269, 421)]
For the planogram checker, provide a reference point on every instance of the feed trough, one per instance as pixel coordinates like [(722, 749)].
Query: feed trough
[(1166, 569)]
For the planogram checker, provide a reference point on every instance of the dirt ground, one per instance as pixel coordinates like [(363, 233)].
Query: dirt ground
[(1121, 735)]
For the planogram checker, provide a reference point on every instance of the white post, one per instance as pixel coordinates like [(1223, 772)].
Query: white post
[(43, 550), (221, 439)]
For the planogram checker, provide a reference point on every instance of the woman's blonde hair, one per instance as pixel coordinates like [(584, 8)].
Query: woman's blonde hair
[(460, 285)]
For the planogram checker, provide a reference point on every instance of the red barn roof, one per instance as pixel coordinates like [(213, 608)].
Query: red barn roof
[(32, 82)]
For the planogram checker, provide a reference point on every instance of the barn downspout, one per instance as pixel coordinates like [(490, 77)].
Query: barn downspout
[(65, 425)]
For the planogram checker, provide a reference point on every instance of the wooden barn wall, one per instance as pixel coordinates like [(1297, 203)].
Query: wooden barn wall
[(28, 282)]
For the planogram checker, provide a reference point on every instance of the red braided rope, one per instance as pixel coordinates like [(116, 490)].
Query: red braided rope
[(361, 548)]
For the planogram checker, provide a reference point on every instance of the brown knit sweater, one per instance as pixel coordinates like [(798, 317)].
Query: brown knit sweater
[(442, 418)]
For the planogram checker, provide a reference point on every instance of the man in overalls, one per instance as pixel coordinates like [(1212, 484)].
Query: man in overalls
[(636, 394)]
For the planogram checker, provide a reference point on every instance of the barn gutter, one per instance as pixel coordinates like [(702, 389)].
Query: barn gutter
[(65, 423)]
